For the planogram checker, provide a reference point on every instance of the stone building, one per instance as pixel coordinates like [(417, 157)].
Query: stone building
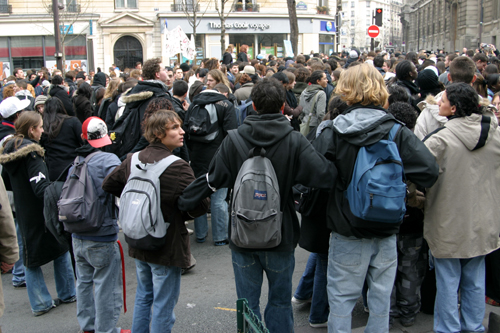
[(450, 24), (122, 32)]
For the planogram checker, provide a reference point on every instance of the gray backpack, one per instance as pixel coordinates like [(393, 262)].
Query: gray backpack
[(256, 215), (140, 215), (80, 208)]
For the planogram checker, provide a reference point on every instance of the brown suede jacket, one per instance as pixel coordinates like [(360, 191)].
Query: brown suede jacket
[(174, 179)]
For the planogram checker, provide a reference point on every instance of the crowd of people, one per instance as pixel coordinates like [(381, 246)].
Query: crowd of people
[(311, 116)]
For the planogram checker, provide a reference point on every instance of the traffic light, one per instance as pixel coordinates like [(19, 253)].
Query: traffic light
[(378, 16)]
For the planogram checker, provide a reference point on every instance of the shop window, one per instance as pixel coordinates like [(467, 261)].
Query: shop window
[(75, 48), (27, 52), (122, 4), (352, 5), (5, 7)]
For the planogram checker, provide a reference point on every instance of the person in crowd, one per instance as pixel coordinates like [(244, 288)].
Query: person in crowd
[(23, 159), (496, 103), (458, 236), (10, 110), (447, 61), (313, 101), (9, 251), (292, 113), (299, 163), (428, 83), (98, 86), (62, 135), (69, 79), (40, 104), (201, 153), (301, 84), (406, 73), (159, 272), (117, 106), (462, 69), (180, 90), (243, 56), (107, 98), (233, 70), (360, 249), (60, 91), (493, 81), (81, 102), (245, 80), (481, 61), (214, 77), (227, 57), (23, 93), (480, 85), (97, 255), (315, 237)]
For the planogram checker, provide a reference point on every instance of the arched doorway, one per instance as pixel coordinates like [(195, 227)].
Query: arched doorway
[(127, 51)]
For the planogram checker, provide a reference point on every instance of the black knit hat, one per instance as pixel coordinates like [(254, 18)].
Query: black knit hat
[(427, 80)]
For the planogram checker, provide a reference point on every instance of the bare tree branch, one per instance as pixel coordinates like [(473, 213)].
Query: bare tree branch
[(219, 7)]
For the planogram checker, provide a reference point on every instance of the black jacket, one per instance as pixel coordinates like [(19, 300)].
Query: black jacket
[(361, 126), (202, 153), (28, 174), (82, 108), (178, 107), (57, 91), (227, 58), (60, 151), (72, 86), (242, 56), (292, 156)]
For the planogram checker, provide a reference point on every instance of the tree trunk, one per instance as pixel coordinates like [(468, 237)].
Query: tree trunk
[(294, 26), (222, 29)]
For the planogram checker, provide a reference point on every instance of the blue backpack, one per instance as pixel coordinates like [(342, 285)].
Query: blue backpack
[(241, 111), (377, 191)]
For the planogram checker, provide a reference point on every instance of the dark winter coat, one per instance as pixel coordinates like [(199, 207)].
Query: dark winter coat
[(28, 175), (227, 58), (362, 126), (62, 94), (242, 57), (173, 181), (82, 108), (60, 151), (202, 153), (294, 161)]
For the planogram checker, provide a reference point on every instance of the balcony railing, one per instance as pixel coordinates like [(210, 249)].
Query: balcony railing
[(6, 9), (181, 7), (73, 8)]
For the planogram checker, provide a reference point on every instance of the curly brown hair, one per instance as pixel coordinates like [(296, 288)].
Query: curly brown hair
[(157, 103), (150, 68)]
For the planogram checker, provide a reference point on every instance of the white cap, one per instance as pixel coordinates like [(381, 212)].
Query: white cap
[(353, 54), (11, 105)]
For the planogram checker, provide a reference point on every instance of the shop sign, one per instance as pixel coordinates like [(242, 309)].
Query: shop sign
[(301, 5), (240, 25)]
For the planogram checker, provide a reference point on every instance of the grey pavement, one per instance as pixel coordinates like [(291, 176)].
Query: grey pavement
[(206, 303)]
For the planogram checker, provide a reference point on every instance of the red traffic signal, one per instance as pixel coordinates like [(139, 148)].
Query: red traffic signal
[(378, 16)]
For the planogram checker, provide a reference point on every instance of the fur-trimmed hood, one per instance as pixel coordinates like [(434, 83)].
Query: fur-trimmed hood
[(10, 154), (136, 97)]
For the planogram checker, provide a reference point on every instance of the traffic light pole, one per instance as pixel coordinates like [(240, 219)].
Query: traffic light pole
[(372, 43)]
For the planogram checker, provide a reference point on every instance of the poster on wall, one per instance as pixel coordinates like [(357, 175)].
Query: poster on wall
[(288, 48), (5, 66), (70, 65)]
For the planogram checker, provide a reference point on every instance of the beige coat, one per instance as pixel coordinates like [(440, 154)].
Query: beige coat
[(9, 251), (462, 213)]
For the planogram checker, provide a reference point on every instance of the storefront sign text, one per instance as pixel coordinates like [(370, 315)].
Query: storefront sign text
[(240, 25)]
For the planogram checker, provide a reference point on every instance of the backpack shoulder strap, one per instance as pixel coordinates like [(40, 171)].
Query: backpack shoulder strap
[(163, 164), (394, 131), (89, 156), (239, 143)]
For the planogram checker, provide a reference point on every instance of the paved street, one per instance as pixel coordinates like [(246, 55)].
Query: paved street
[(206, 303)]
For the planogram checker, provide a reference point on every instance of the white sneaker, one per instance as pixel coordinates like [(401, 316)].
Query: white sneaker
[(190, 231), (319, 325), (301, 301)]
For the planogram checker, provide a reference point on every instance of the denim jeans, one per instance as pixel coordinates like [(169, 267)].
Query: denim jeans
[(468, 276), (38, 294), (248, 268), (220, 218), (158, 289), (98, 265), (18, 269), (351, 260), (313, 284)]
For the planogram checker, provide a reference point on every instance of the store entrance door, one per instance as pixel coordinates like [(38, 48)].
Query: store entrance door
[(127, 51), (239, 39)]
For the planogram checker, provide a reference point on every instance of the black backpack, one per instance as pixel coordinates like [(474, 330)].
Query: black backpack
[(202, 123), (103, 109), (93, 98)]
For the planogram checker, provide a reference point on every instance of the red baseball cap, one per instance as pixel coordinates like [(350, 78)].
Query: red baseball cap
[(95, 131)]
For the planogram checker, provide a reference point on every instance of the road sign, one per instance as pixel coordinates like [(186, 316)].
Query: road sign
[(373, 31)]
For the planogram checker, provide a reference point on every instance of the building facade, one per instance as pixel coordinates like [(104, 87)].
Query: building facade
[(357, 16), (450, 24), (123, 32)]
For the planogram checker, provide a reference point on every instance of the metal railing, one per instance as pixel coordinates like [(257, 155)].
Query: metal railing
[(181, 7), (247, 320)]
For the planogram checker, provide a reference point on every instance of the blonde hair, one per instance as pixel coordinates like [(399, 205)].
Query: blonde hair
[(362, 84), (112, 86)]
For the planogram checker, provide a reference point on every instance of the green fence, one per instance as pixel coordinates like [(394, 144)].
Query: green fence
[(247, 320)]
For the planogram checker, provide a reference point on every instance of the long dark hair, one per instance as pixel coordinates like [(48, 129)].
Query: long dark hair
[(54, 116)]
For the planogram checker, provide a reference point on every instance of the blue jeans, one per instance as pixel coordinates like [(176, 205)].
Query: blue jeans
[(468, 276), (39, 296), (313, 284), (98, 264), (158, 289), (220, 218), (18, 269), (351, 260), (248, 268)]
